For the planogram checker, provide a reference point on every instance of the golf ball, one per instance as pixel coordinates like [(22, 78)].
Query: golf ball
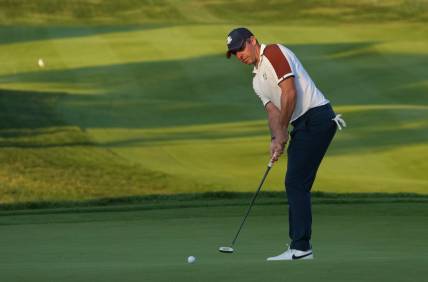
[(41, 63), (191, 259)]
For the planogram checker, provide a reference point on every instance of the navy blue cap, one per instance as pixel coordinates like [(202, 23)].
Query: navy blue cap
[(236, 39)]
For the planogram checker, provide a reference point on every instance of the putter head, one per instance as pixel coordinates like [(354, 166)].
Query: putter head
[(227, 250)]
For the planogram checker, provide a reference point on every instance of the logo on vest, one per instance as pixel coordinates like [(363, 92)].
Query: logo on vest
[(265, 76), (229, 40)]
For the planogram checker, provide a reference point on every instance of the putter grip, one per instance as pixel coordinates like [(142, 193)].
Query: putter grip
[(270, 164)]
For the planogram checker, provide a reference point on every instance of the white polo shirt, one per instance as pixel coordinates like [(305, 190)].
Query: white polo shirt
[(276, 64)]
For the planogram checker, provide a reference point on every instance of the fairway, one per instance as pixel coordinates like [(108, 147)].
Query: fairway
[(352, 242), (137, 98)]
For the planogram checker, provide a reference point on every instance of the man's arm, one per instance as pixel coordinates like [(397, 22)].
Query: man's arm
[(279, 119)]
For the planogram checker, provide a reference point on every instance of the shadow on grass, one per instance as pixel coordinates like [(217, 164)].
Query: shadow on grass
[(27, 109), (212, 90), (28, 120), (23, 34)]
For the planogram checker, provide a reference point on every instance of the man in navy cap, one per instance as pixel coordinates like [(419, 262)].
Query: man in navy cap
[(290, 96)]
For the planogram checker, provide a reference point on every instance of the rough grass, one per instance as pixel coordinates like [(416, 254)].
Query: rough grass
[(207, 199), (213, 11)]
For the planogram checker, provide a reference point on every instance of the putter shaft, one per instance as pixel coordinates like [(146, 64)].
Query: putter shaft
[(252, 201)]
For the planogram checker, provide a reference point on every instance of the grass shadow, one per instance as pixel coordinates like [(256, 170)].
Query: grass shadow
[(212, 90), (22, 34)]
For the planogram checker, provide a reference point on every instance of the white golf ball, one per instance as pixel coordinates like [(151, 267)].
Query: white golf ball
[(191, 259), (41, 63)]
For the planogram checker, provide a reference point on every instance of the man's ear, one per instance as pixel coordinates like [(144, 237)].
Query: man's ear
[(253, 40)]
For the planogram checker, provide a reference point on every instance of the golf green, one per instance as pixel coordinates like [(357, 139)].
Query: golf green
[(352, 242)]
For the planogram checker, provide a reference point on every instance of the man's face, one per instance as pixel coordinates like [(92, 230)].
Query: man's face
[(247, 54)]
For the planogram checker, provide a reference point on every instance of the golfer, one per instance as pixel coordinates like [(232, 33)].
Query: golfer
[(290, 96)]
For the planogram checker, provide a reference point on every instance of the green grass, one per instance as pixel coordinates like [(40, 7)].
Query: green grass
[(207, 199), (139, 144), (137, 98), (213, 11), (353, 242)]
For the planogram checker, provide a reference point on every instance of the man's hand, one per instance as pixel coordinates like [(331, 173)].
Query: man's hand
[(277, 146), (279, 119)]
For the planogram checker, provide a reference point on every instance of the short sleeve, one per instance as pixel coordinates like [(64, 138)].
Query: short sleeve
[(279, 62)]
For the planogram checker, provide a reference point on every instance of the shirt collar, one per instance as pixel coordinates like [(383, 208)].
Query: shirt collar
[(262, 49)]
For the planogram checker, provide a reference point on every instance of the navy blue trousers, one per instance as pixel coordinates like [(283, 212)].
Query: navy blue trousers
[(309, 140)]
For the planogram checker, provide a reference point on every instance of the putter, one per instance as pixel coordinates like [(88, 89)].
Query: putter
[(229, 250)]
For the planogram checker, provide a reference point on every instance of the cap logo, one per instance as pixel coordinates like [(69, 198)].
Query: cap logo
[(229, 40)]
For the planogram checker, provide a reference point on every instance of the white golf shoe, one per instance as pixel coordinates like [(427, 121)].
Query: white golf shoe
[(293, 254)]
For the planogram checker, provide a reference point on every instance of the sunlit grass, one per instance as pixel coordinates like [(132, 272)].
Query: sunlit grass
[(139, 110)]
